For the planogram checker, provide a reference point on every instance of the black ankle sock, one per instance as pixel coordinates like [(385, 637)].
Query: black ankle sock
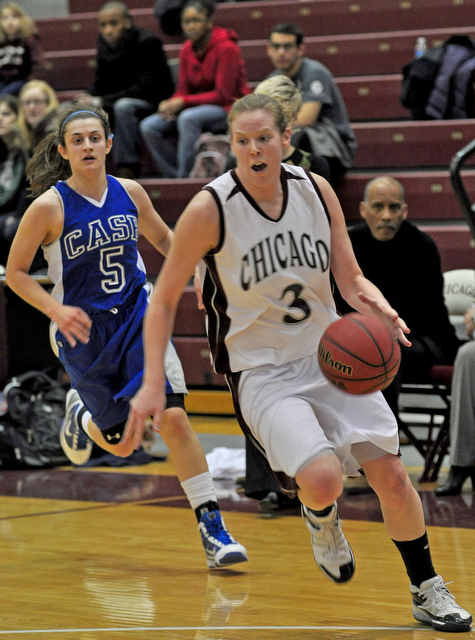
[(323, 512), (79, 416), (417, 558), (206, 507)]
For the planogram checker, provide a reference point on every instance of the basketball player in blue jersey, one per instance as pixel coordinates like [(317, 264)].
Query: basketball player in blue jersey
[(87, 224), (267, 236)]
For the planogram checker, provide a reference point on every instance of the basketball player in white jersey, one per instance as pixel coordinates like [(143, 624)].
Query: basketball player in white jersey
[(267, 236), (87, 224)]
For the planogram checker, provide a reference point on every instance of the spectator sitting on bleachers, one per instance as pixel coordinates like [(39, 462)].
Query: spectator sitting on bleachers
[(132, 77), (211, 77), (13, 185), (37, 113), (404, 263), (322, 124), (20, 55), (462, 415)]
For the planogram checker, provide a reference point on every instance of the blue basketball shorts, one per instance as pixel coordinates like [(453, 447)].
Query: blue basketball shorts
[(107, 371)]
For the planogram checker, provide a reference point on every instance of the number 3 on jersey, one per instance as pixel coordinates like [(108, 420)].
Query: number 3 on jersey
[(115, 271), (298, 303)]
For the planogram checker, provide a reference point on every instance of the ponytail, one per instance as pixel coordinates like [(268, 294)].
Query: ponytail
[(46, 166)]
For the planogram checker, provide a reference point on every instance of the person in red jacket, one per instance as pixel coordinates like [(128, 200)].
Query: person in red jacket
[(211, 77)]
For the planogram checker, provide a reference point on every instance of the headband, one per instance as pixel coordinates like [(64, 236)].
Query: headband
[(75, 114)]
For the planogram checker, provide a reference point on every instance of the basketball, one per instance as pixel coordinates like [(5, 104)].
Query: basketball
[(359, 354)]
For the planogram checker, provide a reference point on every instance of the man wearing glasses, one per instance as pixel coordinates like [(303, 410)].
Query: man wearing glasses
[(322, 125)]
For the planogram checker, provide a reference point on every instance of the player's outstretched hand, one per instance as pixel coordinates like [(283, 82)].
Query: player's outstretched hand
[(146, 402), (74, 324), (386, 312)]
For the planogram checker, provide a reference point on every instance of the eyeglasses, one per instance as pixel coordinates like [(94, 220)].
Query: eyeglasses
[(286, 47), (34, 102)]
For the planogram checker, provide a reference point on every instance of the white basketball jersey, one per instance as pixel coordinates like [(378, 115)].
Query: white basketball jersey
[(266, 286)]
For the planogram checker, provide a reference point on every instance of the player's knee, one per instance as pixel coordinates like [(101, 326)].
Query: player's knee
[(390, 480), (398, 483), (322, 479), (326, 490), (175, 424)]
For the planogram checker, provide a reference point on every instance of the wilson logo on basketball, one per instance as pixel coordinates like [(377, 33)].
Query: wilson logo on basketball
[(326, 357)]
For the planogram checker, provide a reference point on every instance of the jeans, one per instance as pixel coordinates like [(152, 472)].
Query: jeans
[(128, 112), (158, 134)]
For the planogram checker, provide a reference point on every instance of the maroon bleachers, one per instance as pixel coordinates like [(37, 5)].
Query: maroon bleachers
[(80, 6), (455, 245), (373, 97), (345, 55), (430, 143), (168, 199), (79, 31), (190, 320), (195, 358), (66, 70), (316, 17)]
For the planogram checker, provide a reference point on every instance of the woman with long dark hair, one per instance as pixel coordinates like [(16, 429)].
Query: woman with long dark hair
[(88, 223)]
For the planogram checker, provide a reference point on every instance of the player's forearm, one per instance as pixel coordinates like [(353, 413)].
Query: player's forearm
[(157, 331), (32, 292)]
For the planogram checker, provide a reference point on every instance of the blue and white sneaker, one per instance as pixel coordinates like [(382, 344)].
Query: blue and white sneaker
[(74, 441), (220, 547)]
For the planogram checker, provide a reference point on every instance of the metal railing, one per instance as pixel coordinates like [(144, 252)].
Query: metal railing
[(456, 165)]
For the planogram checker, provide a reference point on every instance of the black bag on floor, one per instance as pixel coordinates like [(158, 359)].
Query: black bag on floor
[(29, 432)]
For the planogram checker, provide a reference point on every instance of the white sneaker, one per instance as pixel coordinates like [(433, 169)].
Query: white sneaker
[(330, 548), (433, 604)]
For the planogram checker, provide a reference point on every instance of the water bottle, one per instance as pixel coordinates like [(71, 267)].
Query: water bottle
[(421, 47)]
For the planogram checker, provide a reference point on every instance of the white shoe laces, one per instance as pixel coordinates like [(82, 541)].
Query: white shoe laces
[(330, 537), (440, 595)]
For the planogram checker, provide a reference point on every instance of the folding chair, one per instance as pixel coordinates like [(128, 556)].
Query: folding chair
[(433, 398)]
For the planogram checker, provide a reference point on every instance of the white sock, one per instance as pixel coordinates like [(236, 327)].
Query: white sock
[(199, 489)]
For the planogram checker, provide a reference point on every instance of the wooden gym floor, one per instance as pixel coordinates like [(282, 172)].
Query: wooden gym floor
[(114, 554)]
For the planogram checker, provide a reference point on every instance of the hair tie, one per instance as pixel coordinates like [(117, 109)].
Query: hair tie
[(75, 114)]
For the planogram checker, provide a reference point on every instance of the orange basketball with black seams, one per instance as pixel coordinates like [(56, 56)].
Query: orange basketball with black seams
[(359, 354)]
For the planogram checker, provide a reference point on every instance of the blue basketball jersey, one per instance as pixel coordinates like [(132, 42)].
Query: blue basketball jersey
[(95, 264)]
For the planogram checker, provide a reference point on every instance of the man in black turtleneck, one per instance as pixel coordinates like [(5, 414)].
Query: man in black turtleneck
[(404, 263)]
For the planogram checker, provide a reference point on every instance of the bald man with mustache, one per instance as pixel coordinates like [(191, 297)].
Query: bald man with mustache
[(404, 263)]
